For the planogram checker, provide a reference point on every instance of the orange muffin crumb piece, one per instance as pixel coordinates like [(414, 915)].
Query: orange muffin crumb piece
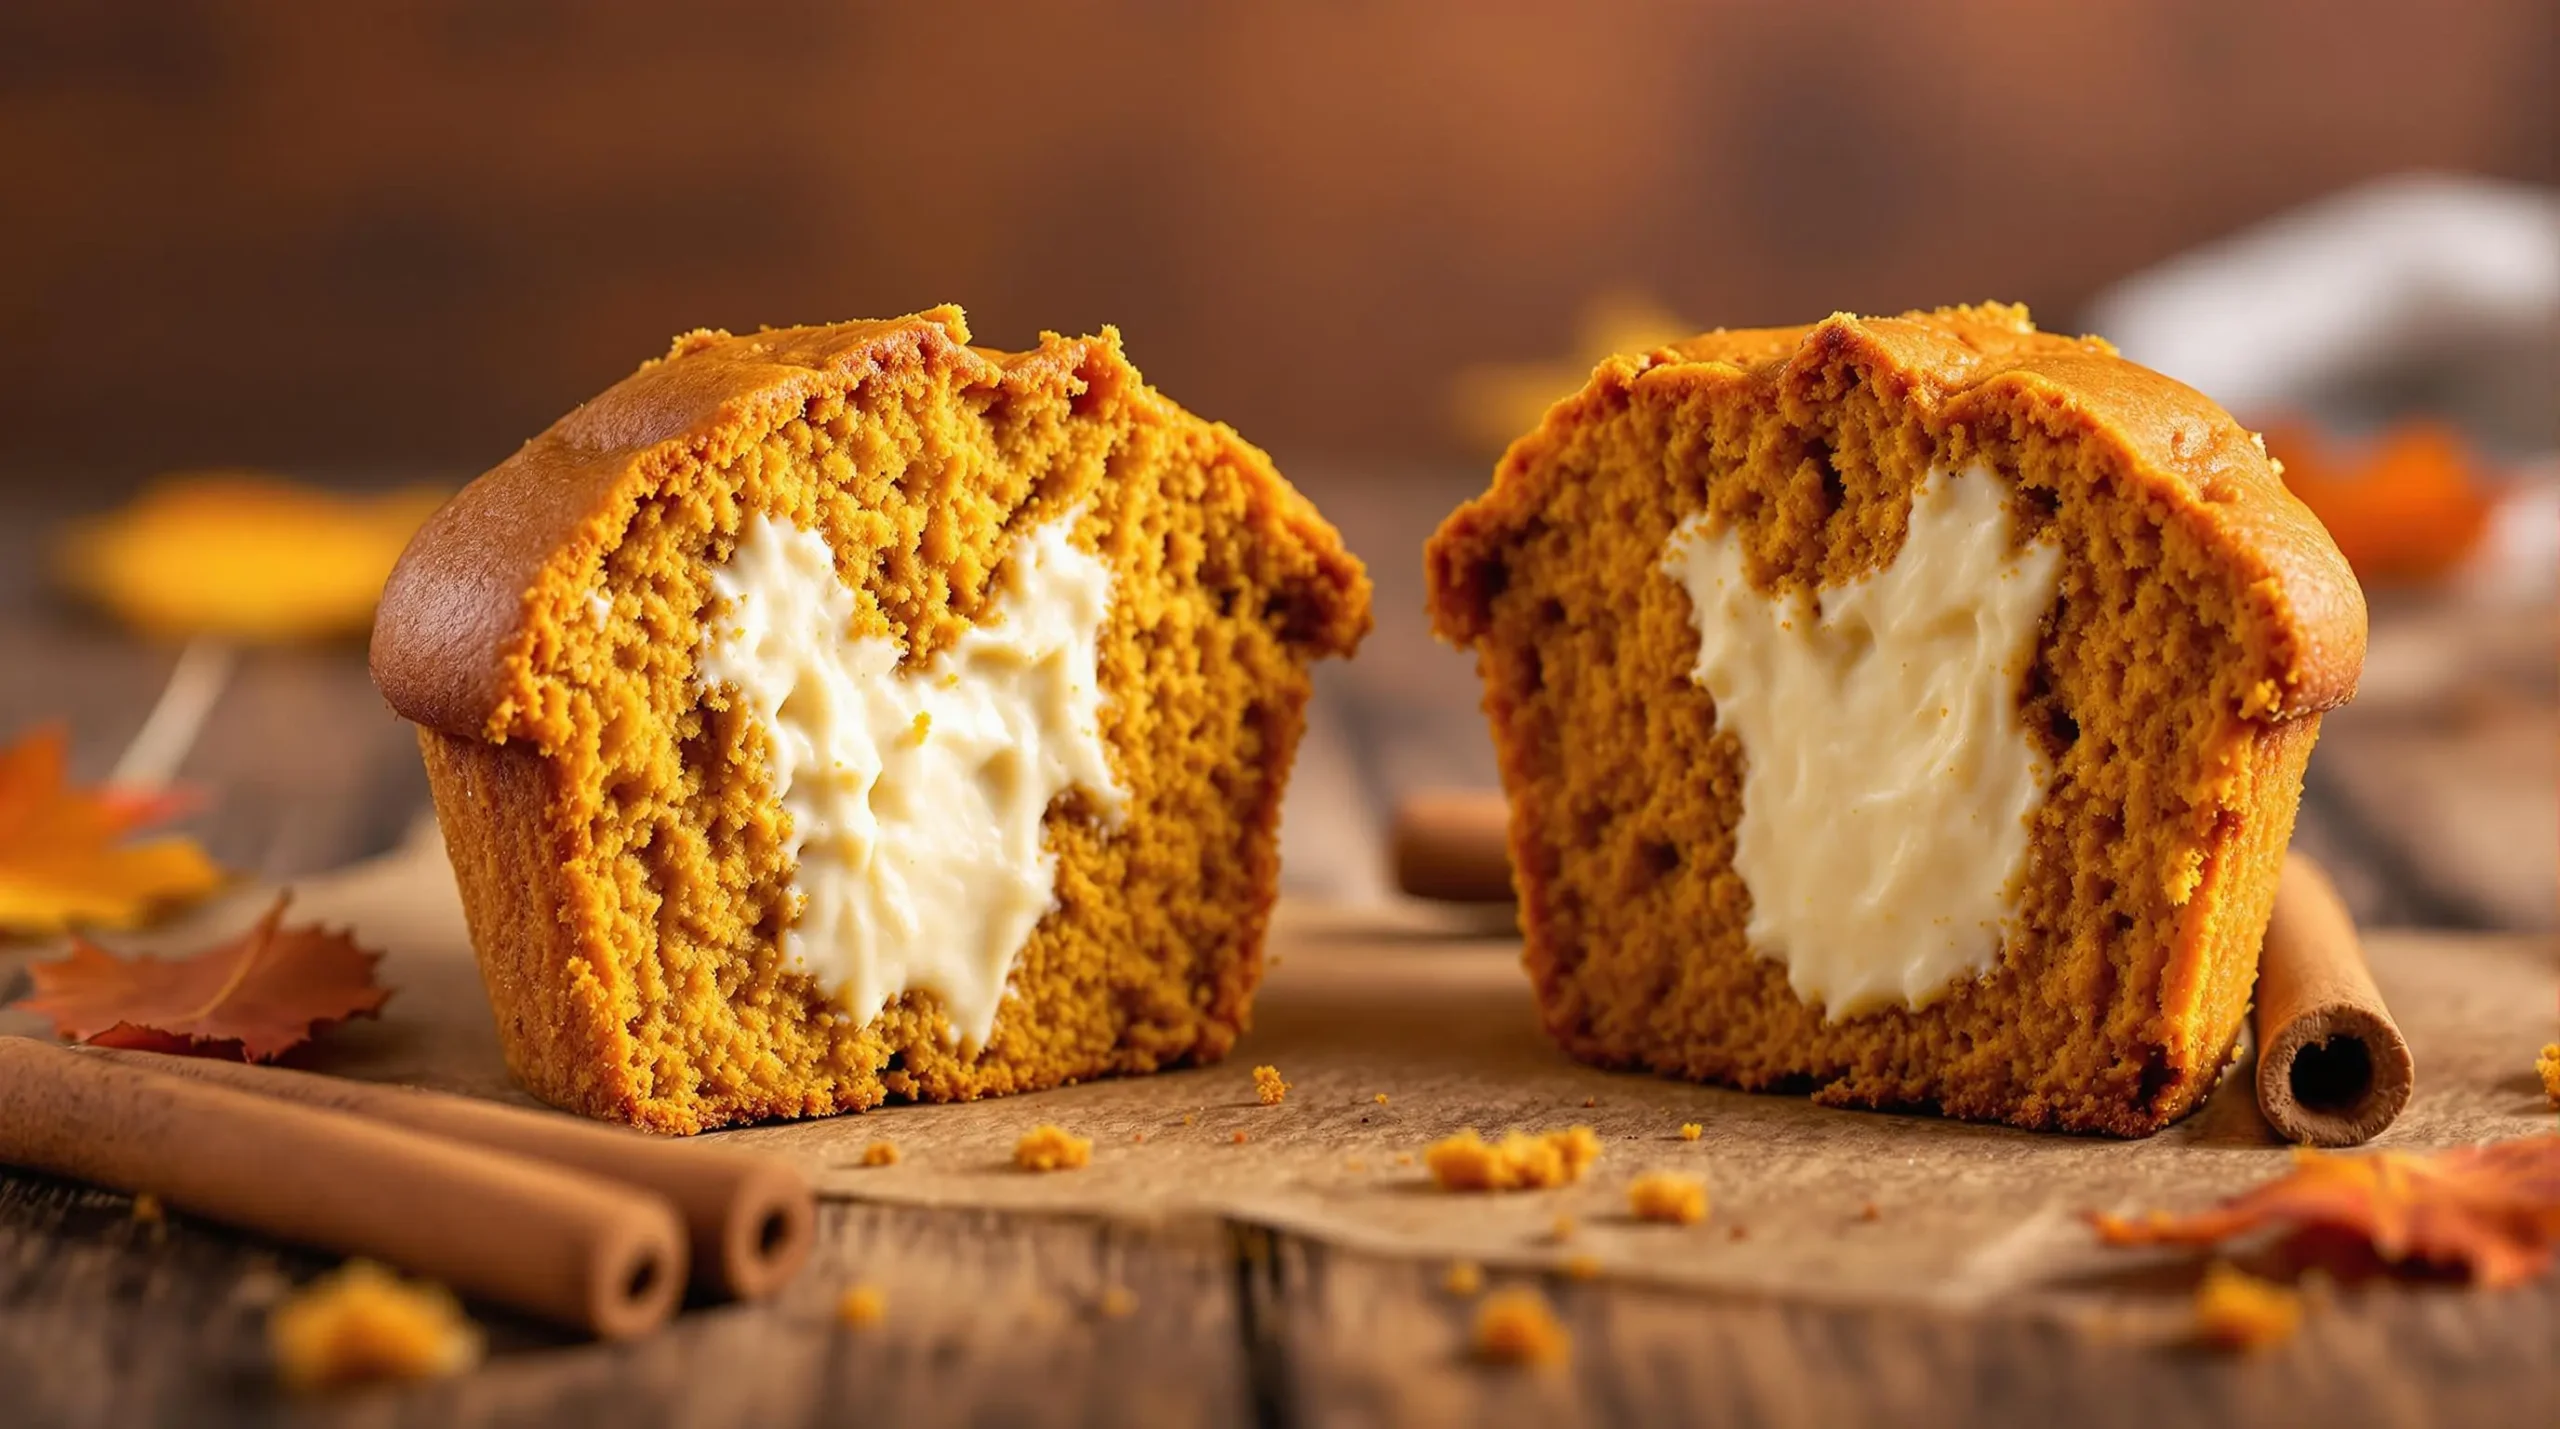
[(1467, 1162), (2238, 1311), (1465, 1277), (1052, 1148), (1268, 1086), (880, 1153), (147, 1208), (1117, 1302), (361, 1323), (2548, 1064), (1380, 1098), (1516, 1327), (1664, 1196), (1870, 1212), (1691, 1131), (862, 1305)]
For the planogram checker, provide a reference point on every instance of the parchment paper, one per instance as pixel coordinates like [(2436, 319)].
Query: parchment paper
[(1404, 1000)]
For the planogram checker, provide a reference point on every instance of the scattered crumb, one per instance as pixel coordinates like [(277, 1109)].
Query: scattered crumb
[(1051, 1148), (1691, 1131), (1191, 1118), (1664, 1196), (2238, 1311), (862, 1305), (147, 1209), (1467, 1162), (1737, 1232), (1584, 1266), (360, 1322), (1465, 1277), (880, 1153), (1137, 1136), (1118, 1302), (2548, 1064), (1515, 1327), (1268, 1086), (1563, 1228), (1380, 1098), (1239, 1138), (1869, 1212), (1591, 1101)]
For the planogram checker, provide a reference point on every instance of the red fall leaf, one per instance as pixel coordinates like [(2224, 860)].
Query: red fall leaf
[(254, 998), (2490, 1213)]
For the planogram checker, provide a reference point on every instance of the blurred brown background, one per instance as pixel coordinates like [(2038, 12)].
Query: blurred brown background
[(406, 236)]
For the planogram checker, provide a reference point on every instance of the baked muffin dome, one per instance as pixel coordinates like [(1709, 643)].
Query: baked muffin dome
[(837, 713), (1912, 711)]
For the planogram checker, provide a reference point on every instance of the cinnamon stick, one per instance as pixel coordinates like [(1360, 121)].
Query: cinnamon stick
[(750, 1219), (560, 1244), (2333, 1069), (1453, 846)]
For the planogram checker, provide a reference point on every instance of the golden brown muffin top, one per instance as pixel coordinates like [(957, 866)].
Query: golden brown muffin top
[(2180, 448), (457, 633)]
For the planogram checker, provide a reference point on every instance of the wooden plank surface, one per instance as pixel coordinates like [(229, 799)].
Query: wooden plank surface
[(998, 1318)]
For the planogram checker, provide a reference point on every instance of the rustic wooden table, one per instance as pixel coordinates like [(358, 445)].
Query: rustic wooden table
[(2432, 799)]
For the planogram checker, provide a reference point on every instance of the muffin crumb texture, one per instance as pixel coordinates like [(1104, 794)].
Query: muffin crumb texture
[(1268, 1087), (361, 1324), (861, 1306), (1668, 1196), (1518, 1327), (1518, 1162), (1052, 1148)]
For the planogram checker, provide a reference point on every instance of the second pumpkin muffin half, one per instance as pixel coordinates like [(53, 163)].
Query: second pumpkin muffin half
[(1911, 710)]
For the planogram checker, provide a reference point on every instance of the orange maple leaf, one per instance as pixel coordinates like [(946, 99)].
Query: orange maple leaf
[(2489, 1212), (253, 998), (63, 858)]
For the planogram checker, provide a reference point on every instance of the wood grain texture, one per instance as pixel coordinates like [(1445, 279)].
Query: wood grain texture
[(1002, 1320)]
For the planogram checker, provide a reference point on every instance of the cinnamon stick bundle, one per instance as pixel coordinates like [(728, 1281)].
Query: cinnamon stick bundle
[(561, 1244), (750, 1219)]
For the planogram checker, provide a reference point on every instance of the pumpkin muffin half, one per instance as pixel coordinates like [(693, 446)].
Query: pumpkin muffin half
[(840, 713), (1910, 711)]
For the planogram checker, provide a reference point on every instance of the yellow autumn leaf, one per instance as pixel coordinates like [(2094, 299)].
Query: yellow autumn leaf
[(243, 555), (1492, 403), (63, 855)]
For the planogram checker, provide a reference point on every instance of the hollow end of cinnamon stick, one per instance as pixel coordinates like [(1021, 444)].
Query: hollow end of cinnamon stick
[(1452, 846), (2333, 1068), (769, 1228)]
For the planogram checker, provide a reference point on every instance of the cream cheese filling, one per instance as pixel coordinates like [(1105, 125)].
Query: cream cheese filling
[(1886, 779), (916, 795)]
